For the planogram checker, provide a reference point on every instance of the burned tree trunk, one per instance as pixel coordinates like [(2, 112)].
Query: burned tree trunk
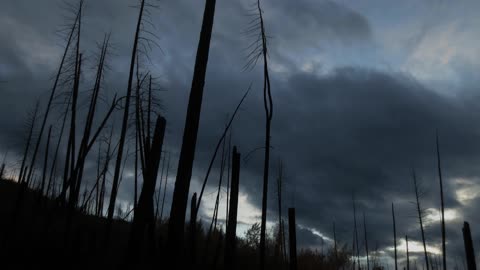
[(366, 241), (284, 241), (219, 143), (335, 251), (394, 236), (77, 173), (444, 256), (70, 157), (229, 163), (54, 88), (213, 224), (408, 254), (85, 147), (73, 122), (420, 217), (469, 252), (2, 167), (193, 228), (2, 170), (279, 197), (292, 238), (108, 157), (123, 133), (212, 160), (165, 187), (230, 235), (57, 148), (70, 160), (135, 179), (44, 175), (268, 106), (187, 153), (356, 251), (144, 214), (24, 169)]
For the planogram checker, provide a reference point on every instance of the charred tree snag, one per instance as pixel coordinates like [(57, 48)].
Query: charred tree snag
[(123, 133), (144, 213), (230, 237), (187, 154), (469, 252), (292, 238)]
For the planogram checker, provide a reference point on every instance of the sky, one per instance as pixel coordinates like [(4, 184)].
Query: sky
[(359, 90)]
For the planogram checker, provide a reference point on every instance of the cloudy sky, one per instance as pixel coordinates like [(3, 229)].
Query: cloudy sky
[(359, 88)]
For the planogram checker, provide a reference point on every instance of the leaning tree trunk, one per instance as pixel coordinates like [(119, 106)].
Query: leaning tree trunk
[(123, 134), (45, 162), (23, 169), (165, 187), (2, 171), (54, 88), (144, 213), (193, 228), (420, 219), (108, 157), (70, 157), (184, 172), (57, 148), (219, 143), (77, 174)]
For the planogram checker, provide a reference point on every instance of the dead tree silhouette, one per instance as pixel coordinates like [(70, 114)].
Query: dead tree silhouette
[(187, 153), (230, 235), (469, 251), (165, 187), (356, 250), (260, 51), (366, 240), (439, 166), (420, 214), (407, 252), (31, 125), (144, 214), (54, 88), (45, 163), (293, 238), (394, 236), (123, 133), (281, 247), (193, 220), (70, 156), (57, 150)]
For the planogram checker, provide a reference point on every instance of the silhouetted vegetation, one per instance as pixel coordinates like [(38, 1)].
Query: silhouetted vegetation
[(57, 217)]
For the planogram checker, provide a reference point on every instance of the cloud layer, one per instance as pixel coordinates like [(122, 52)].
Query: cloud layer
[(353, 111)]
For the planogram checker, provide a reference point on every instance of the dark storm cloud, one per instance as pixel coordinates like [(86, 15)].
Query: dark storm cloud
[(349, 130), (330, 19), (361, 131)]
